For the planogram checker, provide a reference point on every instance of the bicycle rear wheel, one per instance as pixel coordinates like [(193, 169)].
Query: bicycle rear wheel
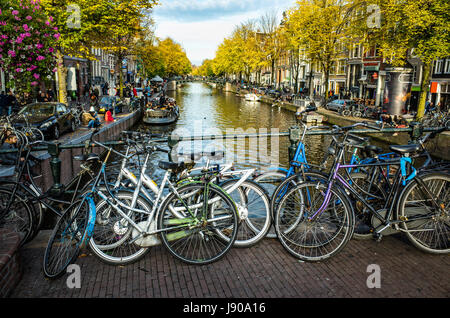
[(207, 231), (66, 239), (314, 238), (253, 205), (427, 224)]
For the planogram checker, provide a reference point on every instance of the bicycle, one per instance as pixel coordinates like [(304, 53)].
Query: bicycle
[(315, 220), (197, 212), (23, 202)]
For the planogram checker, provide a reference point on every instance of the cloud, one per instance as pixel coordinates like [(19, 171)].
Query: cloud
[(203, 10)]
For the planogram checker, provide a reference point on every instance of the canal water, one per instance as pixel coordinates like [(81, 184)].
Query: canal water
[(207, 111)]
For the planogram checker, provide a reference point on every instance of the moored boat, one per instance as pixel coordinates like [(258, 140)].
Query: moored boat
[(161, 116), (252, 97)]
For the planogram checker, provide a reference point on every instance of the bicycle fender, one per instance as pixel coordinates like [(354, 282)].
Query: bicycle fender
[(91, 220), (403, 162)]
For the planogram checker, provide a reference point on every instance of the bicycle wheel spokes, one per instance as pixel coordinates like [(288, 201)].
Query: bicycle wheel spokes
[(204, 238), (427, 221), (18, 217), (65, 242), (116, 240), (318, 238), (254, 212)]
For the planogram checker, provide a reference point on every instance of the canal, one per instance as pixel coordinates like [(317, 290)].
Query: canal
[(207, 111)]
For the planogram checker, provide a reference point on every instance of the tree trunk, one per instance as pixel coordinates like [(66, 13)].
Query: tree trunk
[(62, 78), (272, 79), (424, 90), (327, 76)]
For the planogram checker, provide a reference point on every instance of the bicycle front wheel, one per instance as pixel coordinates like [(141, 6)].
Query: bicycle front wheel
[(16, 215), (424, 207), (116, 240), (310, 235), (209, 226), (66, 239), (270, 181)]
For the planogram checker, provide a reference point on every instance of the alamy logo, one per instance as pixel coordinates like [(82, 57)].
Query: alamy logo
[(374, 279), (74, 20), (374, 18), (74, 279)]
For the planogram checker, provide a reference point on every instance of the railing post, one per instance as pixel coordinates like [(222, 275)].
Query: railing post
[(55, 166), (294, 138)]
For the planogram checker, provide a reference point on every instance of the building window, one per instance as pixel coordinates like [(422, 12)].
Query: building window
[(447, 66), (438, 67)]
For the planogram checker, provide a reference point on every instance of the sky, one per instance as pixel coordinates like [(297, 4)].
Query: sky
[(201, 25)]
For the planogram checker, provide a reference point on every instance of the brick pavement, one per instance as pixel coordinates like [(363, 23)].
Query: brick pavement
[(262, 271)]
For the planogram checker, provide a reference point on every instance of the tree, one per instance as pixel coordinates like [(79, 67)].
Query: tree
[(419, 25), (85, 24), (273, 40), (321, 28), (175, 60), (27, 44)]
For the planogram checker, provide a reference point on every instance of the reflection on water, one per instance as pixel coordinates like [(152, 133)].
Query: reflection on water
[(206, 111)]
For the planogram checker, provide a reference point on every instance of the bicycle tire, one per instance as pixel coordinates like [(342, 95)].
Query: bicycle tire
[(415, 202), (253, 205), (65, 241), (180, 235), (113, 240), (18, 218), (324, 236), (270, 180)]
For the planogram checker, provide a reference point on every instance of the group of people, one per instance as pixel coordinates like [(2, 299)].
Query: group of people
[(10, 103)]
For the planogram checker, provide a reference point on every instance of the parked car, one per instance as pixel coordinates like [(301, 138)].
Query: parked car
[(110, 102), (274, 93), (53, 119), (340, 104)]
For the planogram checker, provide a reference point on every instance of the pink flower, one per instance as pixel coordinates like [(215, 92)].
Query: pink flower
[(55, 70), (17, 18), (36, 76), (15, 12), (51, 50), (34, 83), (47, 22), (29, 18), (40, 58), (57, 35), (39, 46), (25, 27), (18, 70), (11, 53)]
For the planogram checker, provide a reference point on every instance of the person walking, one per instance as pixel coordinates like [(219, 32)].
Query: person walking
[(11, 102)]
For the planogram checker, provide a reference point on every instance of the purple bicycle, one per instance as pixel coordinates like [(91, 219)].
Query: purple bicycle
[(315, 219)]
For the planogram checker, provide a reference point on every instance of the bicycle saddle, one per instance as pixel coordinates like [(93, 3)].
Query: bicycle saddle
[(167, 165), (89, 157), (403, 149), (356, 140)]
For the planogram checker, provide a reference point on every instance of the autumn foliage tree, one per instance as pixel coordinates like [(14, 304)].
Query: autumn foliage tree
[(417, 27)]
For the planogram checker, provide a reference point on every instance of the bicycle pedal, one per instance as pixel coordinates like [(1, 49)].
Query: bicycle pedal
[(377, 236)]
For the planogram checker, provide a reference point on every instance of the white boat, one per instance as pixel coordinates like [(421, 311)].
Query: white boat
[(252, 97)]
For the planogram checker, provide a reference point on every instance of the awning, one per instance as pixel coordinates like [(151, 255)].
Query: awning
[(156, 79)]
